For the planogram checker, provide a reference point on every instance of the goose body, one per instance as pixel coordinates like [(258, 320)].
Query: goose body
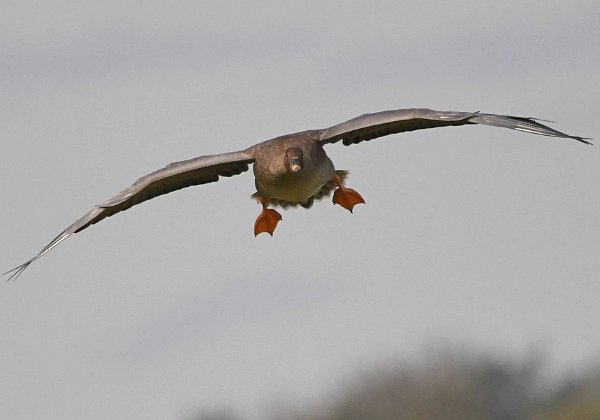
[(275, 181)]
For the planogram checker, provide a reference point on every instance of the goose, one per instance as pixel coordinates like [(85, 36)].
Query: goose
[(290, 170)]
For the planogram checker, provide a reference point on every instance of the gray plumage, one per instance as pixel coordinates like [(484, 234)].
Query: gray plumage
[(266, 157)]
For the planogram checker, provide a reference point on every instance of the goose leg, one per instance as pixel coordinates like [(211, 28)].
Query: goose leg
[(346, 197), (267, 219)]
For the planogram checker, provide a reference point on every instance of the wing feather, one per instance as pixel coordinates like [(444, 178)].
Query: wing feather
[(370, 126), (173, 177)]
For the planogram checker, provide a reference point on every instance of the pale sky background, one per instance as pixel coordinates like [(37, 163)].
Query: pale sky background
[(472, 235)]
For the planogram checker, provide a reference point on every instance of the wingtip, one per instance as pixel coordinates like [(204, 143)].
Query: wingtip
[(584, 140), (14, 273)]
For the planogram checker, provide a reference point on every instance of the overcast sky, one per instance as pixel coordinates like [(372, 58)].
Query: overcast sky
[(472, 235)]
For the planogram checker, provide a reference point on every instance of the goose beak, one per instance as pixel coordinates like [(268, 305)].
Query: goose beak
[(295, 165)]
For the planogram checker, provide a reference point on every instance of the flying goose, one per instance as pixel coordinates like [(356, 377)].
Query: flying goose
[(289, 170)]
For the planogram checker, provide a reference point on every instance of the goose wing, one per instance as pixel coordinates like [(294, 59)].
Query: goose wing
[(175, 176), (370, 126)]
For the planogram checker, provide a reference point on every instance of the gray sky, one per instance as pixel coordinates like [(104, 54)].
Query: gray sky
[(472, 235)]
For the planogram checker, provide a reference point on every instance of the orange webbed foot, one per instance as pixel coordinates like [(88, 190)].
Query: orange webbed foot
[(346, 197), (267, 220)]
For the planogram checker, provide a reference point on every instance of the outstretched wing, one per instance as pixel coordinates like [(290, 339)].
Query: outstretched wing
[(175, 176), (370, 126)]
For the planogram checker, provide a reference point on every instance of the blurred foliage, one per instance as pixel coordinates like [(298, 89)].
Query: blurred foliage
[(218, 414), (456, 385), (578, 399)]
